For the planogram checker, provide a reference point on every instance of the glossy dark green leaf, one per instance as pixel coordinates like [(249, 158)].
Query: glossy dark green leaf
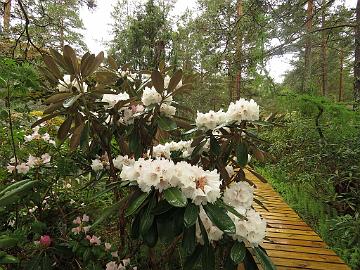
[(161, 208), (151, 237), (208, 258), (264, 259), (220, 219), (8, 241), (175, 197), (166, 123), (147, 219), (193, 259), (214, 146), (136, 203), (242, 154), (8, 259), (189, 239), (238, 252), (191, 214)]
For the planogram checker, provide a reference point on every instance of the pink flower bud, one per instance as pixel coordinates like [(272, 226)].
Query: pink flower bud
[(45, 240)]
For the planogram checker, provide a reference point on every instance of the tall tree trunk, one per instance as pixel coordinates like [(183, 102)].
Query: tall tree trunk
[(357, 59), (7, 15), (308, 46), (239, 53), (324, 73), (341, 76)]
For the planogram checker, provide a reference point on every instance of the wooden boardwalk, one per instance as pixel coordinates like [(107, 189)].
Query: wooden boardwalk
[(291, 243)]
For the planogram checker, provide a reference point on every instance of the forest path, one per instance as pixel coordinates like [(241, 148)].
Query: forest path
[(291, 243)]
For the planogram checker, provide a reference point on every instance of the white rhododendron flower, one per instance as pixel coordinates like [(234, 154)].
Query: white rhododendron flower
[(66, 84), (213, 232), (239, 195), (199, 185), (23, 168), (112, 99), (252, 230), (230, 170), (164, 150), (150, 96), (97, 165), (119, 161), (210, 120), (241, 110), (167, 110)]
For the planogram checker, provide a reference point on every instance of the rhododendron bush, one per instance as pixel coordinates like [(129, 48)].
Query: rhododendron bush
[(176, 183)]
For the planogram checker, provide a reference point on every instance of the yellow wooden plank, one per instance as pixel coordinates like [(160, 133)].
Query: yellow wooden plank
[(311, 250), (303, 256), (303, 264)]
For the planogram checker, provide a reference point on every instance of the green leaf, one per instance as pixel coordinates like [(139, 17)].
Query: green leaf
[(191, 214), (135, 204), (147, 219), (208, 258), (175, 197), (8, 259), (191, 260), (242, 154), (8, 241), (264, 259), (238, 252), (13, 186), (151, 237), (107, 212), (220, 219), (161, 208), (4, 200), (214, 146), (189, 239), (231, 209), (166, 123)]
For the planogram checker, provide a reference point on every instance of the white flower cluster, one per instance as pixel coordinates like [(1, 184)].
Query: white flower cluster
[(239, 111), (240, 196), (123, 265), (67, 84), (199, 185), (32, 162), (164, 150), (81, 222), (213, 232), (151, 96), (112, 99), (37, 136), (102, 162)]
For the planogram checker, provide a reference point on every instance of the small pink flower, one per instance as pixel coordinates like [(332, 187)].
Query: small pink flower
[(107, 246), (86, 229), (95, 240), (76, 230), (23, 168), (115, 254), (88, 237), (85, 218), (77, 220), (45, 240), (10, 168)]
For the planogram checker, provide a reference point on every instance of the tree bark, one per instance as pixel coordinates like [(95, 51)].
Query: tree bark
[(341, 76), (239, 54), (7, 15), (308, 46), (324, 73), (357, 59)]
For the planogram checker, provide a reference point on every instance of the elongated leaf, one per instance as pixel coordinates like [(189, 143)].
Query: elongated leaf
[(175, 79), (70, 101), (151, 237), (70, 59), (51, 65), (107, 212), (57, 97), (147, 219), (8, 259), (52, 108), (7, 242), (48, 117), (219, 217), (158, 81), (242, 154), (13, 186), (75, 138), (231, 209), (192, 260), (166, 123), (26, 186), (208, 258), (161, 208), (135, 204), (175, 197), (238, 252), (64, 128), (189, 239), (264, 259), (191, 214)]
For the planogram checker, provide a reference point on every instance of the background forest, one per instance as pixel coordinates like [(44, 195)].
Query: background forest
[(312, 135)]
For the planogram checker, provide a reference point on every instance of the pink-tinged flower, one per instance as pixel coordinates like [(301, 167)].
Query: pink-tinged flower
[(23, 168), (95, 240), (45, 240), (10, 168), (46, 158), (76, 230), (115, 254), (111, 266), (107, 246), (85, 218), (86, 229), (77, 220), (88, 237)]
